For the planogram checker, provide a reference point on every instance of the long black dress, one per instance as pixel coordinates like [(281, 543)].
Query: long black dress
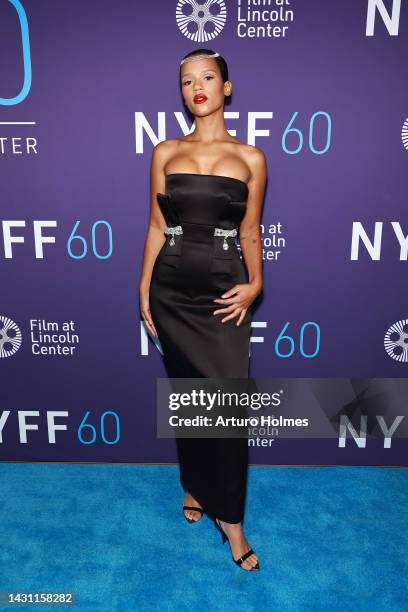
[(191, 270)]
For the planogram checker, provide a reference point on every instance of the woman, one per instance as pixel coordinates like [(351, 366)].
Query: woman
[(204, 187)]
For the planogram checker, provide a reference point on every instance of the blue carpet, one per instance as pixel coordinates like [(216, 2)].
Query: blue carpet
[(329, 538)]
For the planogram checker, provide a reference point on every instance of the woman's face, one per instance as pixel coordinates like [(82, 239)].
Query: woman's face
[(203, 77)]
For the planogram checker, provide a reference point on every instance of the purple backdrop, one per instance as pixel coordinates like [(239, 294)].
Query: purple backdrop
[(326, 100)]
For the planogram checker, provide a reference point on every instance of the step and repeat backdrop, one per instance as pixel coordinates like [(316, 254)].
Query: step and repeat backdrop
[(87, 89)]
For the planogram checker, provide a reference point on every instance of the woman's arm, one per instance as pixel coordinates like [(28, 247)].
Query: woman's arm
[(249, 231), (155, 237), (238, 299)]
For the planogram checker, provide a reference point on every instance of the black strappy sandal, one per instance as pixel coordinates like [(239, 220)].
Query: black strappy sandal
[(195, 510), (239, 561)]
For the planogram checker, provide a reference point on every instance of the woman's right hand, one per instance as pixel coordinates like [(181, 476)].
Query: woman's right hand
[(146, 314)]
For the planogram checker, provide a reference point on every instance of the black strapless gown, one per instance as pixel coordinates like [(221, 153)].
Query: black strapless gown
[(186, 277)]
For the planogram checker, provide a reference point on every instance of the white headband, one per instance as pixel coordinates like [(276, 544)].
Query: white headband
[(198, 57)]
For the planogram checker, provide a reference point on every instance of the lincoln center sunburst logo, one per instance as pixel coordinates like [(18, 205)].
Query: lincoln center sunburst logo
[(201, 20), (396, 341), (10, 337), (404, 134)]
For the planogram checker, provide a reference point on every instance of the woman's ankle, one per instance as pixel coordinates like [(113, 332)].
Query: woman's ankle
[(233, 527)]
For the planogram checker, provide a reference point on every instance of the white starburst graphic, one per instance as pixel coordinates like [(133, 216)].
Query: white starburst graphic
[(396, 341), (201, 21), (404, 133), (10, 337)]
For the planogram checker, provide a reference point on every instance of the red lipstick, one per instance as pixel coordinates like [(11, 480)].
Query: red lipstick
[(200, 98)]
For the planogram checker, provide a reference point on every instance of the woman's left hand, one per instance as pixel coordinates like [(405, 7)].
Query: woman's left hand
[(238, 299)]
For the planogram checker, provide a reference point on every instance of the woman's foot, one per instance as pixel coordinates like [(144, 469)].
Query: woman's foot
[(238, 543), (191, 514)]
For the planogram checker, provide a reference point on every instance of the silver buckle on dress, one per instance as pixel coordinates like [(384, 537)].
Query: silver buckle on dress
[(177, 229), (221, 232)]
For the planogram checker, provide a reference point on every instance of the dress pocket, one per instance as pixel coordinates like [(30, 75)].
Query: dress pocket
[(170, 259), (221, 259), (172, 248), (229, 219), (171, 253)]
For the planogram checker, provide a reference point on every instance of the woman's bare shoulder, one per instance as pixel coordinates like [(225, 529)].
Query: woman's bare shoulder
[(166, 145), (251, 152), (163, 151), (254, 157)]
